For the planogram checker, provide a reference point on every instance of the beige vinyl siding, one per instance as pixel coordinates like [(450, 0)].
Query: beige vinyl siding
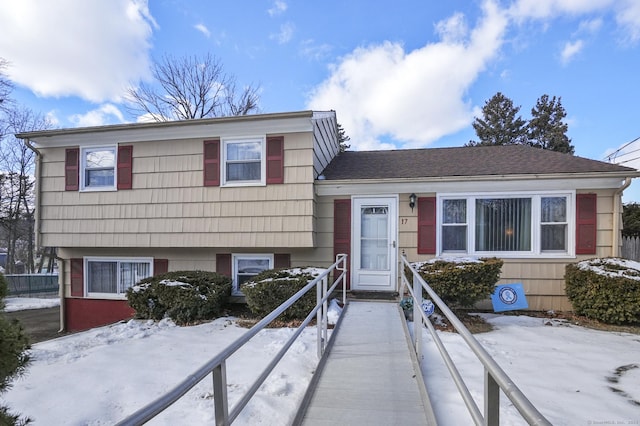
[(169, 206), (542, 278)]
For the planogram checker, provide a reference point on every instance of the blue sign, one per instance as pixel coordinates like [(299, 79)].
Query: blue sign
[(509, 297), (428, 307)]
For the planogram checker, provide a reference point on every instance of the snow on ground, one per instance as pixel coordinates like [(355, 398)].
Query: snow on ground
[(561, 368), (100, 376), (23, 303)]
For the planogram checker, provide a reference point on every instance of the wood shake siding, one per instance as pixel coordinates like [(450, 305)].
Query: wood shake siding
[(169, 206)]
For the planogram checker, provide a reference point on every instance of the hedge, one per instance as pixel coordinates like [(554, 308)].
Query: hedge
[(461, 282), (271, 288), (183, 296), (605, 289)]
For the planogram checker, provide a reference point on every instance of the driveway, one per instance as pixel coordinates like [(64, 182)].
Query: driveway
[(40, 324)]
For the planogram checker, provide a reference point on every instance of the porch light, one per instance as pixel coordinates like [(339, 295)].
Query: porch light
[(412, 201)]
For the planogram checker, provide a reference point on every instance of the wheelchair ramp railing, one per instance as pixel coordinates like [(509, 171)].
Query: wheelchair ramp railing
[(496, 379), (216, 367)]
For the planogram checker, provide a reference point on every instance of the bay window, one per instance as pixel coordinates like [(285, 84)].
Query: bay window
[(505, 225)]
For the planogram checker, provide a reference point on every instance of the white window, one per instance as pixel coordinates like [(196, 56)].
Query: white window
[(98, 168), (506, 225), (111, 277), (247, 266), (244, 161)]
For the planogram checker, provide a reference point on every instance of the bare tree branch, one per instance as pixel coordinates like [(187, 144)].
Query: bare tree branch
[(189, 87)]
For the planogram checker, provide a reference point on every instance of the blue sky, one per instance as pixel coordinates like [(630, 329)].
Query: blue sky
[(401, 74)]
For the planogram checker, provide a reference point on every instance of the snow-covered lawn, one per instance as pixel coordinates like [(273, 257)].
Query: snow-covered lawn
[(13, 304), (100, 376)]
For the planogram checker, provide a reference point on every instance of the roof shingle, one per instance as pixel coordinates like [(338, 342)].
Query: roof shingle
[(461, 161)]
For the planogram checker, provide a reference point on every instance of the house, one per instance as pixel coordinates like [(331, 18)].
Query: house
[(242, 194)]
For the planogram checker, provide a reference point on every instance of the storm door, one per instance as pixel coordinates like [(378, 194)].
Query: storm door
[(374, 251)]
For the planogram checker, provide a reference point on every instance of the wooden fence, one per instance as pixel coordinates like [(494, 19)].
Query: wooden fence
[(631, 248)]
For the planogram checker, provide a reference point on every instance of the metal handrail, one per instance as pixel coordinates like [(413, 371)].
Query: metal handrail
[(217, 365), (495, 378)]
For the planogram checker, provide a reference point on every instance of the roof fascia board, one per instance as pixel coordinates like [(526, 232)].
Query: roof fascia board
[(468, 184), (222, 127)]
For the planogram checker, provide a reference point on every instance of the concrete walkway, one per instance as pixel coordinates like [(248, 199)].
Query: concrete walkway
[(370, 376)]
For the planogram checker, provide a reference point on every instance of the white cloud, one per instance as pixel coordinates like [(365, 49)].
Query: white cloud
[(87, 48), (627, 13), (278, 8), (570, 50), (590, 26), (414, 97), (203, 29), (628, 17), (309, 49), (544, 9), (452, 30), (286, 33), (101, 116)]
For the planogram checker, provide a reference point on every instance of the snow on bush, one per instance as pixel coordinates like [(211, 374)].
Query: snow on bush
[(605, 289)]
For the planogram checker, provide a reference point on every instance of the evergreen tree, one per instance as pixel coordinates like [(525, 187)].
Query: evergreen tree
[(546, 129), (500, 123), (343, 139), (631, 220), (13, 357)]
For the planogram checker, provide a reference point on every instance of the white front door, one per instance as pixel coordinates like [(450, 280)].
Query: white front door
[(375, 228)]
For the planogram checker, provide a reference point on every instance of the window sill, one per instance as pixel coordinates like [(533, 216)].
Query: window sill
[(100, 189), (106, 296), (243, 183), (513, 255)]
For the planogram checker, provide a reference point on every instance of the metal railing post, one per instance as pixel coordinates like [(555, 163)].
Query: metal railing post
[(417, 316), (325, 312), (491, 400), (319, 318), (220, 402)]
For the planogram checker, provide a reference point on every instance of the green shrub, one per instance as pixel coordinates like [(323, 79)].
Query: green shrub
[(183, 296), (4, 290), (461, 282), (14, 357), (606, 290), (270, 289)]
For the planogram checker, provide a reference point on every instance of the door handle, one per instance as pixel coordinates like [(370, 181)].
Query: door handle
[(393, 244)]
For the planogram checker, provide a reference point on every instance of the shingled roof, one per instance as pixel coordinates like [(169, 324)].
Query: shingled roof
[(462, 161)]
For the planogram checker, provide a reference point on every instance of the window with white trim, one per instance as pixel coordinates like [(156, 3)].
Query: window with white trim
[(244, 161), (505, 224), (98, 168), (247, 266), (111, 277)]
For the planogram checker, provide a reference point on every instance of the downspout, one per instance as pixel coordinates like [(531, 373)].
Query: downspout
[(617, 231), (27, 142)]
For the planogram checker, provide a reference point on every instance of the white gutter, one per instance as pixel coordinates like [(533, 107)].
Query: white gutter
[(36, 216), (617, 231)]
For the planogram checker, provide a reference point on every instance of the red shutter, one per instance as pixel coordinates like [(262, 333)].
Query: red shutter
[(77, 277), (427, 225), (212, 162), (160, 266), (223, 264), (281, 260), (586, 223), (72, 169), (342, 229), (125, 166), (275, 159)]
